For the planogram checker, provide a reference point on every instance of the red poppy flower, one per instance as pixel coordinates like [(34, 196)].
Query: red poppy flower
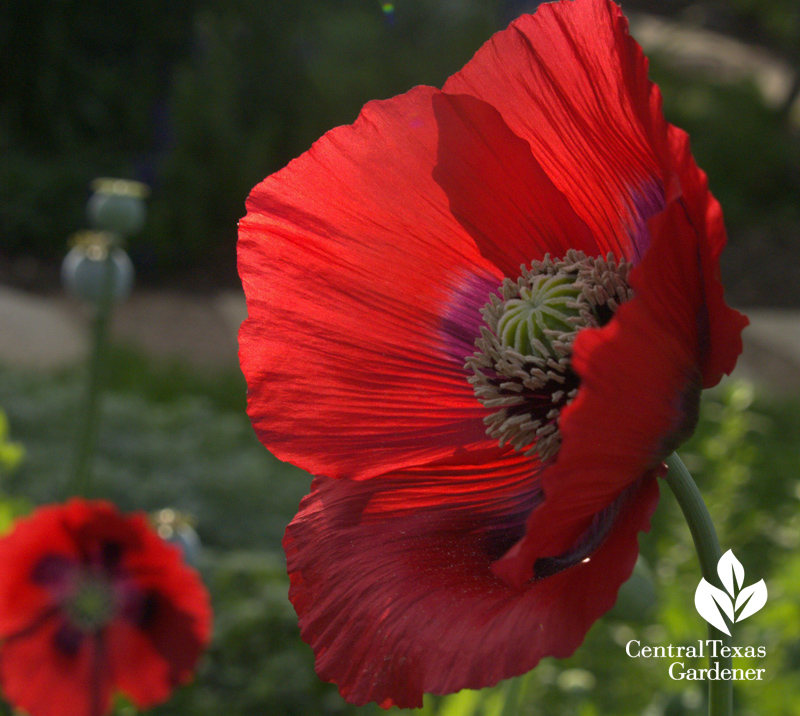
[(93, 602), (431, 556)]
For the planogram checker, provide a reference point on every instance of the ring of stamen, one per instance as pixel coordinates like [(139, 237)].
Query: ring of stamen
[(521, 369)]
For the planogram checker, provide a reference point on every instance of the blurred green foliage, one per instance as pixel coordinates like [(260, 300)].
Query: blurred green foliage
[(200, 99), (170, 438), (11, 453), (156, 448), (752, 161), (776, 22)]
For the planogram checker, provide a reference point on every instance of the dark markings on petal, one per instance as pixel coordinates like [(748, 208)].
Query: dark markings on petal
[(68, 639), (140, 608), (149, 609), (647, 202), (594, 536), (461, 319), (501, 538), (53, 571), (110, 555), (687, 414)]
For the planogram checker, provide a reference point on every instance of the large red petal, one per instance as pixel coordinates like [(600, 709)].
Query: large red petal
[(140, 672), (572, 82), (641, 377), (498, 191), (39, 677), (392, 582), (155, 643), (721, 327), (360, 281), (349, 257), (158, 567), (22, 600)]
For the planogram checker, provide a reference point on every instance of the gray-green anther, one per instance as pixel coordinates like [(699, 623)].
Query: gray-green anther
[(528, 322)]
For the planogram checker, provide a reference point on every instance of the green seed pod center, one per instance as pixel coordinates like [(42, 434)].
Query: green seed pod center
[(522, 367), (92, 605), (544, 311)]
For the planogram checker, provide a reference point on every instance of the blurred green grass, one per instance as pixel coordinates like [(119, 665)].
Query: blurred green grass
[(170, 437)]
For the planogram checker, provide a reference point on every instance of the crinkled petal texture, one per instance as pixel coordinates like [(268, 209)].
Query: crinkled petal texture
[(49, 666), (395, 592), (415, 561), (364, 289), (573, 84)]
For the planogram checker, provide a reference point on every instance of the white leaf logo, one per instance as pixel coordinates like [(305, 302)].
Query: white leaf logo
[(729, 568), (751, 599), (708, 600), (712, 603)]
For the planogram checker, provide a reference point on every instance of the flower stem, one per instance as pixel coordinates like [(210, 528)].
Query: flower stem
[(81, 466), (720, 691), (514, 691)]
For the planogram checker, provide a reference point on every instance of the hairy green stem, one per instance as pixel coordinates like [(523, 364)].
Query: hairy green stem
[(720, 692)]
